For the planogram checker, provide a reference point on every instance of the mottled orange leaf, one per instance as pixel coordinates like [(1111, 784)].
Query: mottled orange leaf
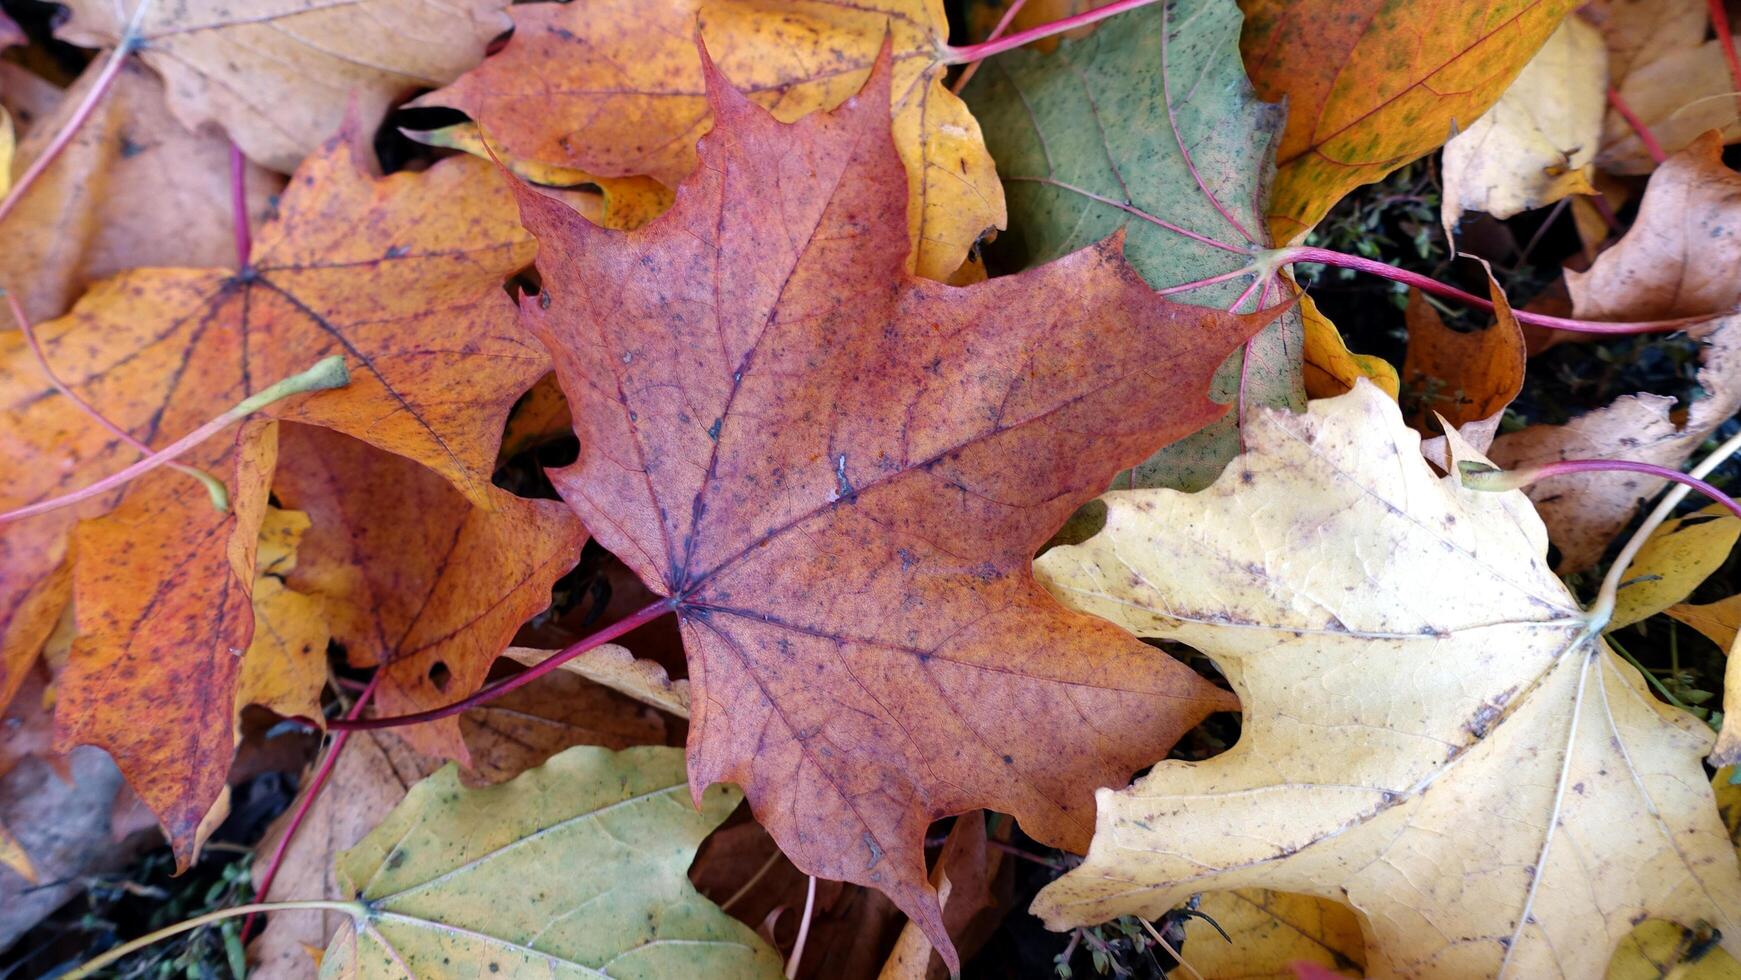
[(615, 88), (400, 275), (839, 473), (1374, 84), (1462, 377), (165, 612), (413, 576)]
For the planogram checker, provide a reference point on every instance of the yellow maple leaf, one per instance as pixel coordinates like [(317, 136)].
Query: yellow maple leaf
[(1433, 733)]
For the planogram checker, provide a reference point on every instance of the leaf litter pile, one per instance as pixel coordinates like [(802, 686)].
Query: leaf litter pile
[(713, 488)]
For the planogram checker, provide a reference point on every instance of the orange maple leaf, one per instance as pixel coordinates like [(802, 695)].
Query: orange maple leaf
[(416, 579), (839, 474), (402, 277)]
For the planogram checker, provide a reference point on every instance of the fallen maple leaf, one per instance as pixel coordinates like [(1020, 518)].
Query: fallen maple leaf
[(1266, 932), (1374, 84), (162, 599), (435, 617), (1537, 143), (280, 76), (1677, 556), (516, 732), (616, 668), (1329, 367), (1463, 379), (1678, 257), (133, 188), (1151, 126), (1674, 81), (1431, 734), (838, 474), (368, 780), (1669, 264), (462, 883), (285, 668), (402, 276), (615, 88), (621, 202)]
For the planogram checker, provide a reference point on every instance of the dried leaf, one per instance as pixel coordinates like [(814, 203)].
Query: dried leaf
[(1538, 142), (1638, 32), (963, 876), (1677, 556), (368, 779), (164, 612), (1718, 621), (1667, 265), (1154, 121), (1667, 73), (851, 928), (1373, 84), (624, 202), (1330, 367), (734, 369), (615, 88), (435, 616), (468, 882), (1430, 732), (1584, 511), (285, 668), (1463, 378), (616, 668), (279, 75), (1679, 256), (1271, 931), (402, 275), (12, 856), (539, 417), (133, 188), (525, 727)]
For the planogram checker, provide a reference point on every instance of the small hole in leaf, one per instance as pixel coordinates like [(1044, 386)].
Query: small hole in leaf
[(440, 676)]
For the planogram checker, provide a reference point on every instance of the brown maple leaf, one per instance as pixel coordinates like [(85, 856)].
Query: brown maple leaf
[(416, 579), (402, 277), (839, 473)]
